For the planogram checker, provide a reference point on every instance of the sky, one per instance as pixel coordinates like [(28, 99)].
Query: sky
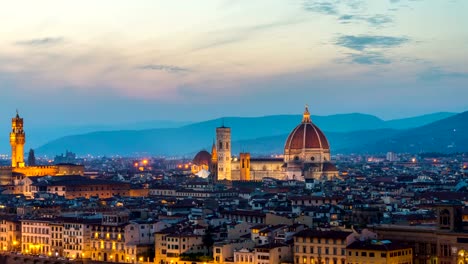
[(111, 61)]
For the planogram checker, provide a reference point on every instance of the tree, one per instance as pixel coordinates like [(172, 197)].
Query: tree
[(208, 240), (31, 158)]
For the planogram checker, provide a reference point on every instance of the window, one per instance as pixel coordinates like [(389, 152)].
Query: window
[(383, 255), (363, 254), (371, 254)]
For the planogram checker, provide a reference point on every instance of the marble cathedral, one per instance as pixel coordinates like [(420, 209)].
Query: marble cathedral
[(306, 156)]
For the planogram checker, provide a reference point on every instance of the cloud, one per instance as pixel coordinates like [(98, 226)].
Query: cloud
[(369, 58), (437, 73), (363, 42), (379, 20), (40, 41), (356, 7), (165, 68), (375, 21), (368, 48), (233, 35), (321, 7)]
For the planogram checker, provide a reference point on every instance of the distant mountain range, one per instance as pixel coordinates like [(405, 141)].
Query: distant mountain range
[(37, 135), (265, 135)]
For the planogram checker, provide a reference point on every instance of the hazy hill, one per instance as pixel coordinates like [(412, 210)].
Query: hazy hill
[(412, 122), (340, 142), (38, 135), (192, 137), (256, 134), (446, 135)]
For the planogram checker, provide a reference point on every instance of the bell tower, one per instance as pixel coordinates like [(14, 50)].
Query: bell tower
[(223, 149), (17, 140)]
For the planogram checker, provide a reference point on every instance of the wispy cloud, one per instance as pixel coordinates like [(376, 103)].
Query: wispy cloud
[(323, 7), (437, 73), (234, 35), (165, 68), (368, 58), (375, 21), (40, 41), (379, 20), (363, 42), (368, 48), (355, 8)]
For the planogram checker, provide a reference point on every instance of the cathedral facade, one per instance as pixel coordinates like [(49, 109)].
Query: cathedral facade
[(306, 156)]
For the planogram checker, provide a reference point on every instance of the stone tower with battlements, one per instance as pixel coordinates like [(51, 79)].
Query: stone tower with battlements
[(223, 149), (17, 140)]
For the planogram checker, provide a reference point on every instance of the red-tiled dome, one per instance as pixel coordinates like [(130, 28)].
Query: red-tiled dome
[(306, 136), (202, 158)]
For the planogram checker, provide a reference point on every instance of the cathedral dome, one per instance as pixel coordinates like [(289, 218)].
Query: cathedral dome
[(202, 158), (307, 142), (306, 135)]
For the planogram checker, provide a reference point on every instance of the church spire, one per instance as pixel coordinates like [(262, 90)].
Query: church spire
[(306, 115)]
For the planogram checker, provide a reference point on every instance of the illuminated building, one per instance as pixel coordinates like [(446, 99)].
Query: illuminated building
[(223, 149), (307, 152), (17, 140), (117, 239), (244, 166), (306, 156), (10, 233), (36, 236), (201, 161), (379, 252), (317, 247), (77, 237), (56, 237), (171, 243), (18, 170)]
